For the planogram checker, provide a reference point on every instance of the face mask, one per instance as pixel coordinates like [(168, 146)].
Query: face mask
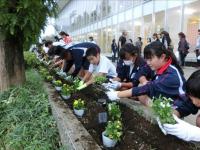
[(128, 62)]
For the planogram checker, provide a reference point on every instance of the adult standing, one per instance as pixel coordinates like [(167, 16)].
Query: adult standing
[(183, 47), (166, 40), (122, 40), (139, 44), (197, 49), (114, 50)]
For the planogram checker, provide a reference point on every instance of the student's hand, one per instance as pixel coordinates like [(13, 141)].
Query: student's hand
[(115, 85), (82, 86), (161, 126), (183, 130), (112, 95)]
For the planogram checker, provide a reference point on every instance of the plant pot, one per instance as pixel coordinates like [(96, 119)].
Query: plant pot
[(58, 88), (66, 97), (107, 142), (79, 112)]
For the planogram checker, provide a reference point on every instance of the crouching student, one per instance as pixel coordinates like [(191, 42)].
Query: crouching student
[(182, 129), (74, 55), (169, 79), (133, 69), (99, 66)]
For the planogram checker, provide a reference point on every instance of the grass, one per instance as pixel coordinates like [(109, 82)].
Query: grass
[(25, 120)]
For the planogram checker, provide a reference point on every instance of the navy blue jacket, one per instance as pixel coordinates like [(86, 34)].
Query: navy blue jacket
[(169, 84), (78, 56), (185, 106), (140, 69)]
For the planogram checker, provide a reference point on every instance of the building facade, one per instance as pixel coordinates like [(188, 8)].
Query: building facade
[(107, 19)]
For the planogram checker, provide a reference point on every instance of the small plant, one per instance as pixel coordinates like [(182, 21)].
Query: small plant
[(162, 108), (114, 111), (49, 78), (76, 83), (66, 89), (30, 59), (100, 79), (79, 104), (114, 130), (58, 83)]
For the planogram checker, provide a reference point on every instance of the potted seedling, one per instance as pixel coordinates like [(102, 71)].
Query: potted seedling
[(79, 107), (58, 85), (114, 111), (49, 78), (100, 79), (112, 134), (163, 110), (66, 91)]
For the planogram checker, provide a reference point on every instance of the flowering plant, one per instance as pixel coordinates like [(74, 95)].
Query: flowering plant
[(100, 79), (114, 111), (49, 78), (79, 104), (66, 89), (114, 130), (58, 83), (162, 108)]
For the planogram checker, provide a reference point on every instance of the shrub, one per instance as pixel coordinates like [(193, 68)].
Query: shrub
[(30, 60)]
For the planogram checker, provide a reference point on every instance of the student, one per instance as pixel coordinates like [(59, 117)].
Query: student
[(139, 44), (74, 55), (169, 81), (99, 66), (66, 38), (182, 129), (114, 50), (133, 70)]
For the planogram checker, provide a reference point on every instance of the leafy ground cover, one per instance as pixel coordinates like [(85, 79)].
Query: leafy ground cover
[(25, 118)]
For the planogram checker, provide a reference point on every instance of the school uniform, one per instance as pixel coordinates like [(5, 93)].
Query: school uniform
[(78, 57), (168, 83), (134, 72), (104, 66)]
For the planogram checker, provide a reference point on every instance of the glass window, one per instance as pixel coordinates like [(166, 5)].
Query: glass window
[(159, 21), (191, 21)]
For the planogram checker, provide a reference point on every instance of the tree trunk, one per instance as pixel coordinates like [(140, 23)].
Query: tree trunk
[(12, 70)]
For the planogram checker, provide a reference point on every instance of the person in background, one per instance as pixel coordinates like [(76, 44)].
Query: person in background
[(168, 82), (166, 40), (139, 44), (155, 37), (122, 41), (197, 49), (133, 70), (99, 66), (183, 47), (114, 50), (182, 129), (91, 39), (66, 38), (148, 40)]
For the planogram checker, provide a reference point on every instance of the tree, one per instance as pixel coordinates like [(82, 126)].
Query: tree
[(21, 22)]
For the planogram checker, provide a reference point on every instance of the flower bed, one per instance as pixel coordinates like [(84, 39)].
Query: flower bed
[(138, 133)]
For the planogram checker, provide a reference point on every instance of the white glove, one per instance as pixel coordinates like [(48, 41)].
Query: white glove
[(161, 126), (183, 130), (115, 85), (112, 95)]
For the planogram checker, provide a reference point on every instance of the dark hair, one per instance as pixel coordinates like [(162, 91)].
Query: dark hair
[(63, 33), (56, 50), (140, 38), (47, 43), (92, 51), (156, 48), (198, 30), (91, 38), (167, 37), (193, 84), (128, 48), (181, 34), (156, 35), (113, 40)]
